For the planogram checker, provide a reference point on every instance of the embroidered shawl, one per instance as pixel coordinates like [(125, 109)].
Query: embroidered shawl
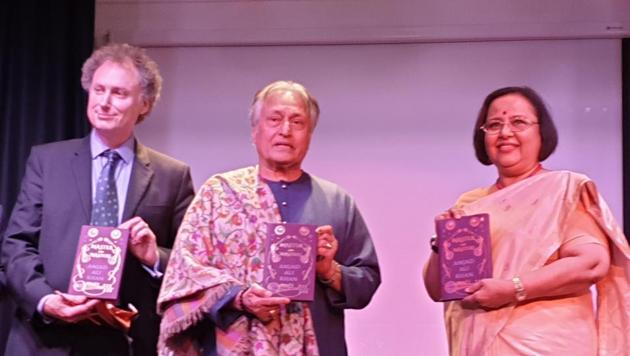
[(220, 245)]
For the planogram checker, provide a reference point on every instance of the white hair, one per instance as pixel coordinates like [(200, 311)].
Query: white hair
[(284, 85)]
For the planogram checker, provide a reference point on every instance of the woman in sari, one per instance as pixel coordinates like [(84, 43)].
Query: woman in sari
[(553, 237)]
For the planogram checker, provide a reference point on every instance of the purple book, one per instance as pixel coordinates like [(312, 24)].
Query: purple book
[(464, 252), (99, 262), (290, 253)]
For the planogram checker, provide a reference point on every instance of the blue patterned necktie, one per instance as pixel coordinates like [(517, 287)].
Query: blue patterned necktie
[(105, 205)]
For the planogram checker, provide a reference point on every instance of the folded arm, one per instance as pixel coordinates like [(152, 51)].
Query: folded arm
[(583, 260)]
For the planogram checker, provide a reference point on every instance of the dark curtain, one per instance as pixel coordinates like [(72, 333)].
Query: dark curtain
[(42, 47), (625, 100)]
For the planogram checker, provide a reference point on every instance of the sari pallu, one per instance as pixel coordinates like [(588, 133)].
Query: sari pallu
[(527, 223), (220, 245)]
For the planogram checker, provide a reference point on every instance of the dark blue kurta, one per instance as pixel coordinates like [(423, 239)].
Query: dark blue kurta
[(312, 200)]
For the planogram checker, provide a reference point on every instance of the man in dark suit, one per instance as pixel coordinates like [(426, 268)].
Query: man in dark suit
[(60, 193)]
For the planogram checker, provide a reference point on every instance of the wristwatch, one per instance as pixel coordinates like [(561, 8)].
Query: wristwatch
[(519, 289)]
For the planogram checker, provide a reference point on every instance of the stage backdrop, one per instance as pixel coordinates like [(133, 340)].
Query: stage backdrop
[(396, 132)]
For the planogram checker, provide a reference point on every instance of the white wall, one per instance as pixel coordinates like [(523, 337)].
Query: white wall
[(396, 132), (245, 22)]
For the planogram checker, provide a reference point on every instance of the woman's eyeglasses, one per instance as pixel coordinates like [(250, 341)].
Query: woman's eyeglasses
[(516, 124)]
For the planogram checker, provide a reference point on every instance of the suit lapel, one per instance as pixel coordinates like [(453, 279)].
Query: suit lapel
[(141, 175), (82, 172)]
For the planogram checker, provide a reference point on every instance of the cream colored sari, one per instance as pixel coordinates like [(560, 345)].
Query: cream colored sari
[(529, 222)]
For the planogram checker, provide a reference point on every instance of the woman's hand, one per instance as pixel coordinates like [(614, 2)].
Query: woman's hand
[(431, 271), (489, 293), (452, 213)]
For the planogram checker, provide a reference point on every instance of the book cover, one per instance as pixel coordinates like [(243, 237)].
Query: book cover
[(290, 255), (99, 262), (464, 252)]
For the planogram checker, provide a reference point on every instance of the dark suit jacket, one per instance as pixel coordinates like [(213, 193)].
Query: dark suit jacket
[(41, 237)]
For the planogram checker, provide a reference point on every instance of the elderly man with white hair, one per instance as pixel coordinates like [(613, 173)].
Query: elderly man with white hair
[(212, 299)]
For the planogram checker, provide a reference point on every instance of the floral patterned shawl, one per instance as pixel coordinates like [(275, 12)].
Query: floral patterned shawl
[(220, 245)]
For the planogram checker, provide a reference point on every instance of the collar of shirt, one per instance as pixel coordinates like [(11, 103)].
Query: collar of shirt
[(302, 179), (291, 197), (126, 150)]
